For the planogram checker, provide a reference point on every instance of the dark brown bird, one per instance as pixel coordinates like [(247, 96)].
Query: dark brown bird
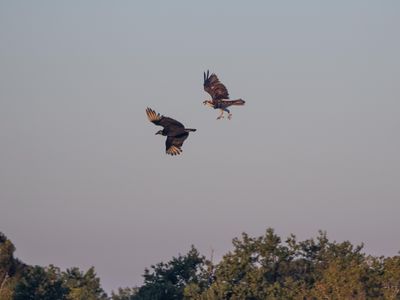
[(219, 95), (175, 132)]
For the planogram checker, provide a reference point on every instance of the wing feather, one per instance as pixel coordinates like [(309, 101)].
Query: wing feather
[(160, 120), (173, 144), (214, 87)]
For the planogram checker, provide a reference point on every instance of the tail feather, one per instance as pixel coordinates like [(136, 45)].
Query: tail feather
[(233, 102), (239, 102)]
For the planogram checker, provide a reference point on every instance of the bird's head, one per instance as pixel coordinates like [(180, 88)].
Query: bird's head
[(159, 132), (208, 103)]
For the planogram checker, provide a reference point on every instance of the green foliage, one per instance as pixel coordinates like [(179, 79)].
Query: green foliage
[(167, 281), (50, 283), (391, 278), (6, 256), (40, 283), (6, 265), (266, 268), (10, 268), (83, 286), (262, 267)]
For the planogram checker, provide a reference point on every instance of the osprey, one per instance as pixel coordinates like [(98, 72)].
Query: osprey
[(175, 132), (219, 95)]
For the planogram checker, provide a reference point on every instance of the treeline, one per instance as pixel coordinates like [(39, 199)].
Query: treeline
[(23, 282), (262, 267)]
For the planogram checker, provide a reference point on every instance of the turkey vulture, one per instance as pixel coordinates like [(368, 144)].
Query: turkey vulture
[(219, 95), (175, 132)]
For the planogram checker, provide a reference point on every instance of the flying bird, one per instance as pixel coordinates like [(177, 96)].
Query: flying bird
[(175, 132), (219, 95)]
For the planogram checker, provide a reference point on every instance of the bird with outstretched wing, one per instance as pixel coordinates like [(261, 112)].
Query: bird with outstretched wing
[(219, 95), (175, 132)]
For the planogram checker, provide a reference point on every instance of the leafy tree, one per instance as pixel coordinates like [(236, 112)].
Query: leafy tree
[(391, 278), (6, 265), (10, 268), (257, 268), (341, 281), (83, 286), (167, 281), (6, 257), (40, 283), (262, 267), (266, 268)]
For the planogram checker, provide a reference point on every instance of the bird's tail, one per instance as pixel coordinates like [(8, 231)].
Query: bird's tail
[(190, 129), (238, 102), (233, 102)]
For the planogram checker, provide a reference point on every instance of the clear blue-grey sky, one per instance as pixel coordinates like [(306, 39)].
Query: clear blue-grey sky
[(84, 181)]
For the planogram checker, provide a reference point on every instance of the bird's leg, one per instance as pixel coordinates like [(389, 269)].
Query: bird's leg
[(221, 115), (229, 114)]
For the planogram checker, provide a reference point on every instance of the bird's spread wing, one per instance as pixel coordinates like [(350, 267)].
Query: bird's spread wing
[(173, 144), (214, 87), (161, 120)]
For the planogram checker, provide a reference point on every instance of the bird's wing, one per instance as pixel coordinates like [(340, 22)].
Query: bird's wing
[(173, 144), (214, 87), (161, 120)]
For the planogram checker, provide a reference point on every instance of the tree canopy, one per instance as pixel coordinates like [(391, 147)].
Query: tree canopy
[(264, 267)]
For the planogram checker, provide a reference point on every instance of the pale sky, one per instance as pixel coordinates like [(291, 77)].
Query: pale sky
[(84, 181)]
